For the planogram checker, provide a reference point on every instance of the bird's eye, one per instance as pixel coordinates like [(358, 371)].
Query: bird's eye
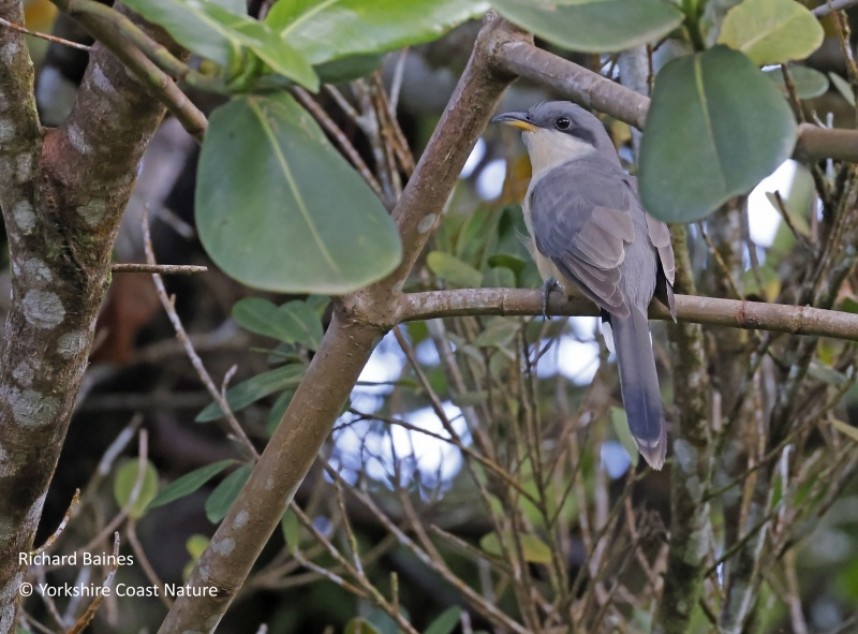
[(562, 123)]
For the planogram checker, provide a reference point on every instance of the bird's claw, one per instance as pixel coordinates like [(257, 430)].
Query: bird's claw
[(550, 285)]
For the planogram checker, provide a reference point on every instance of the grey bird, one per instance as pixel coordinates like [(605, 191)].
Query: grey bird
[(589, 229)]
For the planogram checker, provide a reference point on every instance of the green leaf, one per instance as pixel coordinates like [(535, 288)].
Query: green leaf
[(293, 322), (291, 529), (277, 411), (330, 29), (302, 323), (498, 333), (845, 428), (226, 493), (348, 68), (453, 270), (716, 128), (843, 87), (262, 317), (499, 277), (188, 483), (620, 422), (196, 545), (445, 622), (809, 83), (279, 209), (359, 626), (771, 31), (124, 484), (533, 548), (213, 31), (594, 26), (515, 264), (250, 391)]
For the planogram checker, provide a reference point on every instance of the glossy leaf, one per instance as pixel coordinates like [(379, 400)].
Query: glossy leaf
[(498, 333), (499, 277), (843, 87), (445, 622), (279, 209), (253, 389), (809, 83), (302, 323), (125, 482), (594, 26), (771, 31), (214, 31), (261, 316), (188, 483), (716, 127), (293, 322), (359, 626), (453, 270), (330, 29), (225, 494), (533, 548)]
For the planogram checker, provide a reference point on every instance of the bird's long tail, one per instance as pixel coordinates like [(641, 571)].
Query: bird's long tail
[(639, 385)]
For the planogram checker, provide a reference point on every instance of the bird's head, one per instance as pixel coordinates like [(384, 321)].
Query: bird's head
[(559, 131)]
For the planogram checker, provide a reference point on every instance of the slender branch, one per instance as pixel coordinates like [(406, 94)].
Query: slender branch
[(592, 90), (161, 85), (796, 320), (160, 269), (232, 424), (44, 36), (833, 5), (358, 323)]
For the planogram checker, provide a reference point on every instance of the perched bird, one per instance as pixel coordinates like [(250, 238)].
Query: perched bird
[(589, 229)]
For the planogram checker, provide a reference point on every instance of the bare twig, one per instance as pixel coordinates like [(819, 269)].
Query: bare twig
[(89, 614), (162, 269), (833, 5), (334, 130), (233, 425), (62, 525), (796, 320), (590, 89), (44, 36)]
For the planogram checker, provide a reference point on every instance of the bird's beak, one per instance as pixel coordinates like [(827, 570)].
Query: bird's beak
[(519, 120)]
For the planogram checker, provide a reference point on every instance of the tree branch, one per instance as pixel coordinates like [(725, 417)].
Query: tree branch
[(600, 93), (795, 320), (108, 27), (62, 198), (359, 322)]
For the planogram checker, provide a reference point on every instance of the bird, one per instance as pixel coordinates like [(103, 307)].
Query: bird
[(589, 230)]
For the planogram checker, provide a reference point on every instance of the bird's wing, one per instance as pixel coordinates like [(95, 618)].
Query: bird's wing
[(659, 237), (580, 213)]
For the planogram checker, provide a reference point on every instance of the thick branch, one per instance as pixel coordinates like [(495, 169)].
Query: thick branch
[(359, 322), (61, 207), (600, 93), (796, 320), (691, 473)]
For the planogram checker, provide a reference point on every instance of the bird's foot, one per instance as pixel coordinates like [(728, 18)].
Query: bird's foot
[(549, 286)]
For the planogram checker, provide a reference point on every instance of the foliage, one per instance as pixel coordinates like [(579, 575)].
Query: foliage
[(532, 516)]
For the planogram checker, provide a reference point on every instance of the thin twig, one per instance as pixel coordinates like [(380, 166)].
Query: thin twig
[(232, 423), (43, 36), (833, 5), (334, 130), (162, 269), (89, 614), (62, 526), (143, 560)]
